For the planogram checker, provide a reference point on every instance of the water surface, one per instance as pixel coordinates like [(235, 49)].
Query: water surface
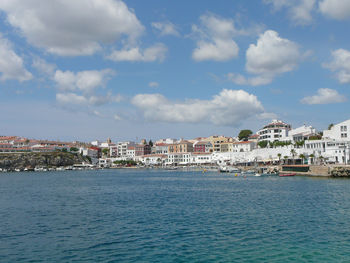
[(172, 216)]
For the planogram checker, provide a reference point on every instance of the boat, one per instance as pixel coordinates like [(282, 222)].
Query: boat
[(228, 169), (287, 174), (263, 171)]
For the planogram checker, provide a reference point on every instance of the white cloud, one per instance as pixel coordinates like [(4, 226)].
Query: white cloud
[(81, 88), (73, 99), (299, 11), (336, 9), (84, 81), (324, 96), (43, 67), (271, 56), (153, 84), (166, 28), (71, 28), (216, 39), (11, 65), (229, 107), (156, 52), (340, 64), (253, 81)]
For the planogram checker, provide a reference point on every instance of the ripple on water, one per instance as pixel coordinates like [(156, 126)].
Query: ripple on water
[(155, 216)]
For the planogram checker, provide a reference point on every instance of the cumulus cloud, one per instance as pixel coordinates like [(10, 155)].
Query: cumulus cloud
[(84, 81), (215, 39), (324, 96), (299, 11), (44, 67), (73, 99), (81, 88), (166, 28), (71, 28), (252, 81), (340, 64), (229, 107), (336, 9), (156, 52), (11, 65), (270, 56)]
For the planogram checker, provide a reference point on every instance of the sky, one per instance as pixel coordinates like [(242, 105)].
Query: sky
[(94, 69)]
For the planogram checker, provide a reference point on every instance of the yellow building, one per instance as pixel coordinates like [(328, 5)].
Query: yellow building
[(216, 141), (180, 147)]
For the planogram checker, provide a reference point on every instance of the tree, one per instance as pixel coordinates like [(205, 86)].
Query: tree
[(263, 144), (279, 158), (302, 157), (244, 135), (150, 143), (312, 156), (73, 149), (285, 159), (293, 153), (105, 151), (330, 126)]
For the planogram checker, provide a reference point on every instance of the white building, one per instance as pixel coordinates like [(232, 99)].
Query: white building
[(276, 130), (243, 146), (340, 131), (202, 158), (123, 148), (153, 159), (301, 133)]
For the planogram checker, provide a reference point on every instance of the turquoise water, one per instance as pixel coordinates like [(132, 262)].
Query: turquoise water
[(159, 216)]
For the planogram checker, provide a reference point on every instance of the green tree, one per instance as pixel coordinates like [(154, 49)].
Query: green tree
[(279, 155), (105, 151), (302, 157), (263, 144), (73, 149), (330, 126), (293, 153), (150, 143), (312, 156), (285, 159), (244, 135)]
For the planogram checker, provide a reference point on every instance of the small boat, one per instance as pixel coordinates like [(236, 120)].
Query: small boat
[(287, 174)]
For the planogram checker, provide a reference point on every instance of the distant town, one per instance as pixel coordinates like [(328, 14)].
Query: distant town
[(275, 143)]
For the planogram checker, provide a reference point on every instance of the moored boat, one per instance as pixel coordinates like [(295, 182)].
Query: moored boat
[(287, 174)]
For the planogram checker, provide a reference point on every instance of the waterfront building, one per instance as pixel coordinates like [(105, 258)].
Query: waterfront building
[(301, 133), (123, 148), (275, 131), (203, 147), (216, 141), (202, 158), (131, 152), (142, 149), (182, 146), (244, 146), (340, 131), (161, 148), (153, 159)]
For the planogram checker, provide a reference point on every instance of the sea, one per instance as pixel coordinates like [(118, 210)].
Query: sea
[(127, 215)]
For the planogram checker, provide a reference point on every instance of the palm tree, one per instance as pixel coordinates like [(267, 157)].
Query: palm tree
[(302, 157), (312, 156), (293, 152), (279, 158), (285, 159)]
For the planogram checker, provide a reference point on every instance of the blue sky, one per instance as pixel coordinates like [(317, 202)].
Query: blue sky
[(92, 69)]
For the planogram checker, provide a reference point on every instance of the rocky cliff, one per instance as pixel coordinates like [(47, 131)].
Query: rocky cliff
[(32, 160)]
